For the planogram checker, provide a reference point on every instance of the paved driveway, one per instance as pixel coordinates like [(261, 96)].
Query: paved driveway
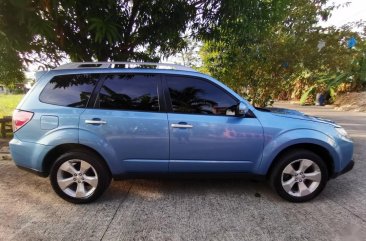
[(190, 210)]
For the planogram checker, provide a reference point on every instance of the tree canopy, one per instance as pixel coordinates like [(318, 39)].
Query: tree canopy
[(10, 63), (257, 47), (281, 55), (46, 32), (99, 29)]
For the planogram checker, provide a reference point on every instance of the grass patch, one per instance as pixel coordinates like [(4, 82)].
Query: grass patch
[(8, 103)]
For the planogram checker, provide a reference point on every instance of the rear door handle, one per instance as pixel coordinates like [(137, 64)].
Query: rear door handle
[(181, 125), (95, 121)]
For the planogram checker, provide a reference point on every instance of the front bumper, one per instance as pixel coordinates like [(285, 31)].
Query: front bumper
[(346, 169)]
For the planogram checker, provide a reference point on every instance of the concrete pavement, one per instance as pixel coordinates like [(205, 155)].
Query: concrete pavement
[(190, 209)]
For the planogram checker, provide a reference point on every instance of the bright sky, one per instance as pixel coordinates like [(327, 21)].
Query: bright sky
[(355, 11)]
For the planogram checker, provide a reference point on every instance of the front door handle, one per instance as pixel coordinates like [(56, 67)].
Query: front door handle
[(95, 121), (181, 125)]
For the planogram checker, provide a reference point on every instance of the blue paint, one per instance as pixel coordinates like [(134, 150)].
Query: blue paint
[(140, 141)]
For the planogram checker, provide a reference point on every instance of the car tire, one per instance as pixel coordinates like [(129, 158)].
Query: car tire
[(79, 176), (299, 175)]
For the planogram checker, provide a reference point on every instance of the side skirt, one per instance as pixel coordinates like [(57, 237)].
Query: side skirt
[(196, 176)]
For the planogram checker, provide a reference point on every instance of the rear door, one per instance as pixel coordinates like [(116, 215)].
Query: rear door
[(205, 134), (128, 123)]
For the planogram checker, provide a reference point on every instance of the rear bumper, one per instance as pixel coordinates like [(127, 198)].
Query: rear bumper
[(38, 173), (346, 169), (28, 155)]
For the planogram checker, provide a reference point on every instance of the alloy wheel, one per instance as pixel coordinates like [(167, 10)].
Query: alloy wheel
[(301, 177), (77, 178)]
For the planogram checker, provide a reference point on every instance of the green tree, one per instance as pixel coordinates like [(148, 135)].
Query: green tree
[(241, 50), (324, 70), (10, 64), (280, 53), (102, 30), (356, 74), (47, 31)]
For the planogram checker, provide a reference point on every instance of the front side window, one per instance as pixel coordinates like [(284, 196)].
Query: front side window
[(197, 96), (129, 92), (69, 90)]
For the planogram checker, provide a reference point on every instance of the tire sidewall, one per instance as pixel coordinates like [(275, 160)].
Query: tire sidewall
[(95, 162), (276, 177)]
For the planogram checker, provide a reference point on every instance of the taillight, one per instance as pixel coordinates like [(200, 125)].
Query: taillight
[(20, 118)]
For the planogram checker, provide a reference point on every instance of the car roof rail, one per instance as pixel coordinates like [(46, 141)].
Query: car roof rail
[(124, 65)]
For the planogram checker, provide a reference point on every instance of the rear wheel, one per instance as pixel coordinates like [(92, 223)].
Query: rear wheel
[(299, 176), (79, 177)]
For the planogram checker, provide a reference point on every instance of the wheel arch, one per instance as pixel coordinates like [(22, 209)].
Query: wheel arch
[(317, 149), (57, 151)]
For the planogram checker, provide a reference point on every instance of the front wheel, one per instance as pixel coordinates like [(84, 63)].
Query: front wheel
[(299, 176), (79, 176)]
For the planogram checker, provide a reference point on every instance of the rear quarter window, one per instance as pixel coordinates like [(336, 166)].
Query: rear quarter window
[(69, 90)]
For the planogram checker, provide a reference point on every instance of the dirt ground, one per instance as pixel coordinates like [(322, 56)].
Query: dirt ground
[(355, 101)]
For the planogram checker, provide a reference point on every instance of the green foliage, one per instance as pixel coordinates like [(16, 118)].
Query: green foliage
[(10, 64), (357, 71), (352, 72), (104, 28), (49, 31), (263, 49), (250, 52), (323, 85), (305, 96), (270, 51)]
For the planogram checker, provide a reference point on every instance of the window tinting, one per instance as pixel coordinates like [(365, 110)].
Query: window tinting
[(69, 90), (196, 96), (130, 92)]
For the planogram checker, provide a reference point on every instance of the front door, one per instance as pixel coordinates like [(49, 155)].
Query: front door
[(205, 134)]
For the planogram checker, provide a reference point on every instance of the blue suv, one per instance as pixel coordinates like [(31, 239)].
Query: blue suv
[(83, 124)]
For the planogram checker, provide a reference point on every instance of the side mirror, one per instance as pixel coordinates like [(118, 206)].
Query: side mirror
[(241, 109)]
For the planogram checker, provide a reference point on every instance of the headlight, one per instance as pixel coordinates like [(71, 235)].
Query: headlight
[(342, 133)]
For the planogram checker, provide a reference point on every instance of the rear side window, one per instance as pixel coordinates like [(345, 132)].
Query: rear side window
[(69, 90), (129, 92)]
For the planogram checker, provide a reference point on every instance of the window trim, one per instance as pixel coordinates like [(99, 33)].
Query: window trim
[(161, 97), (98, 80), (169, 101)]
